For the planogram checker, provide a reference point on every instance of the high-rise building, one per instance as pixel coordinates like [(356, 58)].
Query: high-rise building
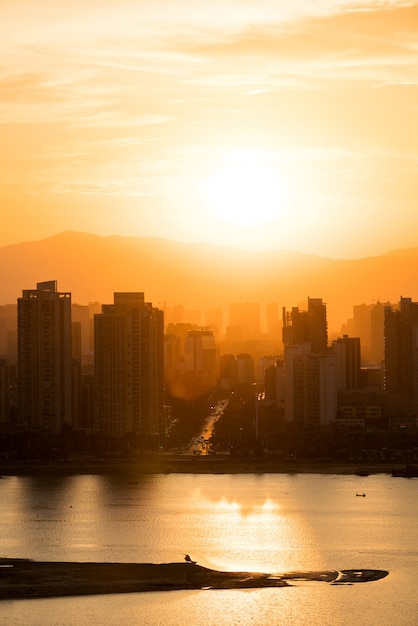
[(322, 390), (361, 327), (8, 332), (377, 339), (246, 369), (80, 315), (307, 326), (5, 395), (367, 323), (295, 381), (310, 389), (274, 384), (262, 365), (401, 353), (44, 358), (129, 366), (228, 372), (200, 356), (172, 351), (348, 362)]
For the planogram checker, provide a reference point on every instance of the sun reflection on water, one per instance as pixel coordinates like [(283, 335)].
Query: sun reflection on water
[(255, 534)]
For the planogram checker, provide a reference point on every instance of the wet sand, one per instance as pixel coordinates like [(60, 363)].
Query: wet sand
[(24, 578)]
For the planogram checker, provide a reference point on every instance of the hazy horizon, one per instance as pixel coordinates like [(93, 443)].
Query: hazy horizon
[(392, 251), (202, 277)]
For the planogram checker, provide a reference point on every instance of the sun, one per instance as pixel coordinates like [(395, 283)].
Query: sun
[(245, 190)]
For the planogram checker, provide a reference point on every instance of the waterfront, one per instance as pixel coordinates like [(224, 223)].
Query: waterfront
[(255, 522)]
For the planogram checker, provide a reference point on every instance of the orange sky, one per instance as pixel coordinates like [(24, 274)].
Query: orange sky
[(286, 125)]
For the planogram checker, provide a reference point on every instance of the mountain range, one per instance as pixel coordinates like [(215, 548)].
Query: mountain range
[(201, 275)]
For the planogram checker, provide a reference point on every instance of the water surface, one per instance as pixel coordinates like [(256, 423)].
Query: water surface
[(257, 522)]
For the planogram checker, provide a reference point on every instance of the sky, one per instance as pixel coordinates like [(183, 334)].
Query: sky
[(255, 124)]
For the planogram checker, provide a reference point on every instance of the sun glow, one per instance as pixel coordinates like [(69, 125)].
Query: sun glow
[(246, 190)]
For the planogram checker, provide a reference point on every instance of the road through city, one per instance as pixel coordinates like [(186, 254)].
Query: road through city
[(200, 445)]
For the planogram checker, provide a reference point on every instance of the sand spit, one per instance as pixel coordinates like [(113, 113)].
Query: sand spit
[(24, 578)]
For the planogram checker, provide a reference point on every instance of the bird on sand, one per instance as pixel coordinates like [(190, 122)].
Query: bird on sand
[(188, 558)]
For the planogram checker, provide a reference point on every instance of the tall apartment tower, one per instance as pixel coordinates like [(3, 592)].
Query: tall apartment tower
[(310, 395), (348, 362), (377, 340), (401, 352), (200, 358), (317, 325), (5, 394), (310, 389), (44, 358), (129, 366), (8, 333), (307, 326)]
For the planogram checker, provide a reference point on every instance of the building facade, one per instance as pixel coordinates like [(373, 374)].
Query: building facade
[(200, 357), (129, 366), (8, 333), (348, 362), (401, 353), (5, 395), (44, 358), (307, 326)]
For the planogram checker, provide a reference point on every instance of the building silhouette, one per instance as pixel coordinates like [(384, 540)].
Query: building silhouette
[(172, 358), (348, 362), (8, 333), (5, 394), (44, 358), (368, 324), (80, 317), (377, 338), (246, 369), (310, 368), (310, 387), (307, 326), (401, 354), (200, 357), (129, 366), (228, 372)]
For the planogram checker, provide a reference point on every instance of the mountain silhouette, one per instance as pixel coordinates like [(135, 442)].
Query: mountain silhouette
[(201, 275)]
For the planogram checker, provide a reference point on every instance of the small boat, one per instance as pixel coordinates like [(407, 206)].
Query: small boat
[(361, 495)]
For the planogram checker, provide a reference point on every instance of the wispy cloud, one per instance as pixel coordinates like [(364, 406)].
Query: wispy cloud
[(139, 99), (374, 40)]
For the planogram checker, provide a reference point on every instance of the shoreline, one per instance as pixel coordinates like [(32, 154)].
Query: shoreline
[(24, 578), (193, 465)]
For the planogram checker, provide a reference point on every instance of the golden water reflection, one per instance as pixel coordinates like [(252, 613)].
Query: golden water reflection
[(256, 534)]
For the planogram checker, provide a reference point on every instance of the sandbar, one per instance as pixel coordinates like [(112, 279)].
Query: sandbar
[(25, 578)]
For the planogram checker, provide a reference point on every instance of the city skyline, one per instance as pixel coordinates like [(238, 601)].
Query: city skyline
[(138, 364), (289, 126), (238, 325)]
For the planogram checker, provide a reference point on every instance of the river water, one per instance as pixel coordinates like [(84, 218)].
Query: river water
[(257, 522)]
